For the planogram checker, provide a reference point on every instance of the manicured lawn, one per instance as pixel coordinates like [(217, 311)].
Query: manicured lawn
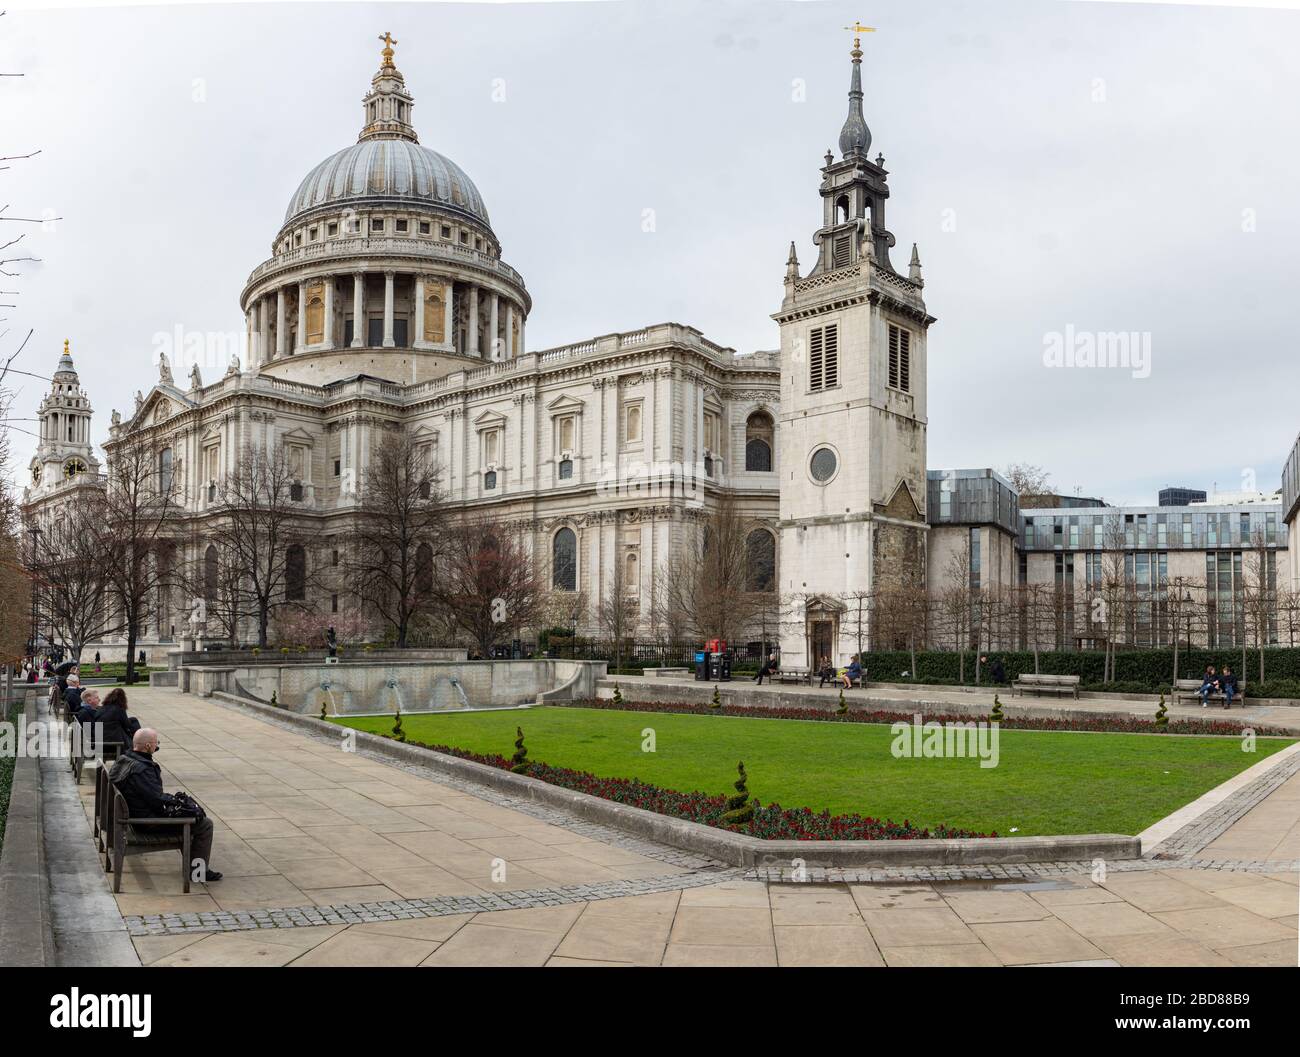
[(1045, 781)]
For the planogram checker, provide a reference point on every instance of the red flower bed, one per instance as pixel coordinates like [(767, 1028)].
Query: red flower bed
[(1110, 724), (771, 821)]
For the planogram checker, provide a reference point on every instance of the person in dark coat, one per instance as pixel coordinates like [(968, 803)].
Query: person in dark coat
[(118, 727), (769, 669), (1228, 685), (998, 672), (89, 710), (72, 695), (139, 780)]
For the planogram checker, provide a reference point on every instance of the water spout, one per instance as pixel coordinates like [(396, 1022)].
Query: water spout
[(460, 692)]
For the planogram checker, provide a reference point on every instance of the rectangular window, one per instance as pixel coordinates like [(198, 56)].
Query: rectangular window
[(1187, 530), (446, 231), (424, 227), (841, 253), (824, 357), (347, 332), (400, 333), (337, 468), (491, 446), (900, 358), (376, 225), (712, 433), (332, 228), (566, 433), (375, 332), (401, 225), (311, 234), (632, 423)]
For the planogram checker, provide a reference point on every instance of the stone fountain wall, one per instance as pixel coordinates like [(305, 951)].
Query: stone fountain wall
[(414, 686)]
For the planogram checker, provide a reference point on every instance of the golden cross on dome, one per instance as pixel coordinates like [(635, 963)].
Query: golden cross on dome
[(387, 53)]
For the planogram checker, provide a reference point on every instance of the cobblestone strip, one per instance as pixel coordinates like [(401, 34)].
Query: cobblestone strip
[(397, 909), (1213, 823), (444, 906)]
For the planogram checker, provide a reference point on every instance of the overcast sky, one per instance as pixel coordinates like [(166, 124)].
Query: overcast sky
[(1066, 168)]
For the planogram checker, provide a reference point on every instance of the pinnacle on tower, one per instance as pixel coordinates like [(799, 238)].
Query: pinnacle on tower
[(792, 265), (855, 137), (914, 267)]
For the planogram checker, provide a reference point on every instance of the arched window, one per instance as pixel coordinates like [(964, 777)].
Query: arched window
[(210, 573), (758, 442), (165, 478), (760, 561), (632, 574), (295, 573), (564, 560), (424, 569), (842, 209)]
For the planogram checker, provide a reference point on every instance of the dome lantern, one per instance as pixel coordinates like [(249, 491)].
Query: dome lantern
[(388, 104)]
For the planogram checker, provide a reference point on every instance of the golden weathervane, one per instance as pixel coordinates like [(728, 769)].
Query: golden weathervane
[(387, 53), (857, 29)]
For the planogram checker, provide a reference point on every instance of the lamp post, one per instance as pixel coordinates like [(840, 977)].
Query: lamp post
[(32, 565)]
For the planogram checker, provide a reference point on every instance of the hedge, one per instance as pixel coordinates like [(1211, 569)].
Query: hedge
[(1136, 671)]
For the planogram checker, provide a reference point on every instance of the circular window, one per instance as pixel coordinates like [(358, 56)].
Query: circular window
[(823, 464)]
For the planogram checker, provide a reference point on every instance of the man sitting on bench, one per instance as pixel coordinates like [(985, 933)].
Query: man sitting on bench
[(139, 780), (1228, 684), (768, 669)]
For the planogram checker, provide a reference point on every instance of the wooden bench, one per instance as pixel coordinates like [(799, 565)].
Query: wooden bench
[(1190, 690), (131, 836), (1047, 684), (793, 675)]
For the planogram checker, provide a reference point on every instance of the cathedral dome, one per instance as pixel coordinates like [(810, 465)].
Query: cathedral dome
[(396, 171)]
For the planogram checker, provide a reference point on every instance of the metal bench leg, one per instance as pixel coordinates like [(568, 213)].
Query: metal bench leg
[(185, 859), (119, 847)]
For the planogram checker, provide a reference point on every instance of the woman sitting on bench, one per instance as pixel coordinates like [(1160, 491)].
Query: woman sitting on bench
[(852, 673)]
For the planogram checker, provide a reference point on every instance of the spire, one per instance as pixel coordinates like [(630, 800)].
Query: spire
[(855, 137), (792, 265), (388, 104), (914, 268)]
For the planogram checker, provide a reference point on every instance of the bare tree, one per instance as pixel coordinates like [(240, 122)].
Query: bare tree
[(1028, 479), (1259, 596), (79, 584), (257, 530), (486, 582), (1181, 605), (955, 605), (707, 588), (1035, 601), (618, 611), (132, 520), (1109, 609), (396, 536)]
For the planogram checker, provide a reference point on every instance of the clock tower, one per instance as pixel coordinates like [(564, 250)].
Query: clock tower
[(853, 412), (65, 452)]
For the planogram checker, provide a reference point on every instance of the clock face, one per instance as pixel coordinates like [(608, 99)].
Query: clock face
[(73, 467)]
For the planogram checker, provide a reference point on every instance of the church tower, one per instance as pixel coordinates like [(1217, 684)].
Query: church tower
[(65, 452), (853, 412)]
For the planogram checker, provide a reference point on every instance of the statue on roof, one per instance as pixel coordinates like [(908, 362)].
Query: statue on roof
[(164, 369), (196, 379)]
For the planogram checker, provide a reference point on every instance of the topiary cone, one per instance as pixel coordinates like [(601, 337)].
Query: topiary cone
[(996, 715), (739, 811), (1162, 713), (717, 698), (843, 710), (519, 761), (398, 733), (618, 694)]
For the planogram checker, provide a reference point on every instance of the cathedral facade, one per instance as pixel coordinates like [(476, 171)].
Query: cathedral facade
[(386, 305)]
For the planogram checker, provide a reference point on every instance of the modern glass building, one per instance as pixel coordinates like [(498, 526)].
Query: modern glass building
[(1180, 496)]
